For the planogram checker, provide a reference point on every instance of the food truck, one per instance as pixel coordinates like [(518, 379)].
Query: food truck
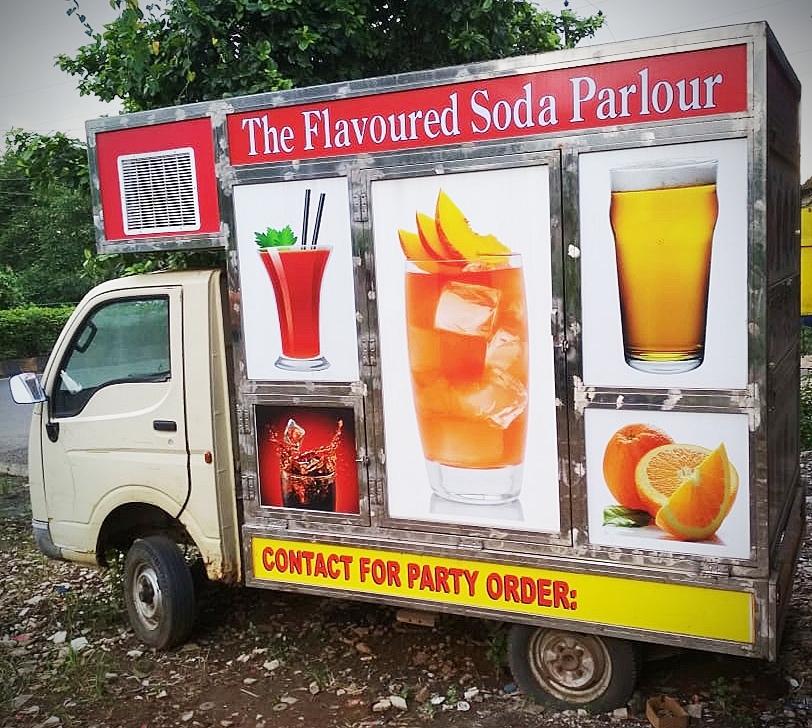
[(517, 340)]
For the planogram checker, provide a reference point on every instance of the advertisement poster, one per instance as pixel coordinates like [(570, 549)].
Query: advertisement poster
[(669, 481), (464, 300), (296, 280), (307, 458), (664, 266)]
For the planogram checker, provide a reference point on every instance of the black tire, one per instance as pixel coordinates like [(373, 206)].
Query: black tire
[(200, 579), (571, 670), (159, 592)]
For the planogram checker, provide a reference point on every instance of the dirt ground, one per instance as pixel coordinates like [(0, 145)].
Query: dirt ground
[(263, 658)]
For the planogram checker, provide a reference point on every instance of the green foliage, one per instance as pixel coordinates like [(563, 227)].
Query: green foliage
[(728, 700), (103, 608), (199, 50), (497, 650), (11, 681), (806, 340), (271, 238), (46, 219), (49, 159), (186, 51), (625, 517), (98, 268), (11, 290), (805, 415), (32, 331)]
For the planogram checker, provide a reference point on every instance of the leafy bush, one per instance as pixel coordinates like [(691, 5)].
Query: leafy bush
[(806, 340), (11, 292), (805, 416), (31, 331)]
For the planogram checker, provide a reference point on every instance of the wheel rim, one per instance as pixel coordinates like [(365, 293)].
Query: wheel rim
[(147, 597), (575, 668)]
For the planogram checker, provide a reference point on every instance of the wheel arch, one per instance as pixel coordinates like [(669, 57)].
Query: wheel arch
[(130, 521), (144, 511)]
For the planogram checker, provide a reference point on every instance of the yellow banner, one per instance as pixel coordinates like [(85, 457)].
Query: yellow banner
[(681, 609)]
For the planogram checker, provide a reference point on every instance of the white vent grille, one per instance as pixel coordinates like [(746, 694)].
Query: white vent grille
[(159, 192)]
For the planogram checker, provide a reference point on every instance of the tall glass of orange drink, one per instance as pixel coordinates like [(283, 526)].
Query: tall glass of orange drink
[(468, 355), (663, 216)]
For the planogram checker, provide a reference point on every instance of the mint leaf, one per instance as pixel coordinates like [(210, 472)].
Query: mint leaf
[(286, 237), (626, 517), (273, 238)]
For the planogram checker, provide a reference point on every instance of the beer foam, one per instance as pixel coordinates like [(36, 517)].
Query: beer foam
[(664, 174)]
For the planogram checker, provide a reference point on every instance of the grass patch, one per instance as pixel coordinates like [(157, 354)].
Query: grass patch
[(83, 676), (497, 650), (728, 699), (6, 485), (12, 683), (806, 340), (805, 414), (102, 609)]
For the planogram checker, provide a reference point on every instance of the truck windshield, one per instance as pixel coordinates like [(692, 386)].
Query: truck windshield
[(121, 341)]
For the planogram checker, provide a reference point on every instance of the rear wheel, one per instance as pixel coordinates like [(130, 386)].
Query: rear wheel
[(572, 670), (159, 592)]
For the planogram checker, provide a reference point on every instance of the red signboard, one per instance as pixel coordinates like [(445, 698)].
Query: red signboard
[(194, 135), (641, 90)]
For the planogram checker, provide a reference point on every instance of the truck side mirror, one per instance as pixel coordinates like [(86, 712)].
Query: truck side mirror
[(26, 388)]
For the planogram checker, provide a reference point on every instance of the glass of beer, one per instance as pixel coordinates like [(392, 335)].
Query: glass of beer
[(468, 355), (663, 216)]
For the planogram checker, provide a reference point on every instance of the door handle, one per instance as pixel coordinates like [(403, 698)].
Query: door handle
[(165, 425), (52, 430)]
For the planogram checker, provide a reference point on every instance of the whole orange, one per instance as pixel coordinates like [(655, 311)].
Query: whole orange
[(623, 451)]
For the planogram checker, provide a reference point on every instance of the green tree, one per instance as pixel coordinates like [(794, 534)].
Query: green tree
[(49, 159), (199, 50), (15, 192), (11, 290), (46, 220)]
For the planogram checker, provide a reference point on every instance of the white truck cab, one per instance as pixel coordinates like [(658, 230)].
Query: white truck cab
[(133, 437)]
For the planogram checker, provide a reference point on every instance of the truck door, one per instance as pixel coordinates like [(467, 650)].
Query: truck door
[(114, 424)]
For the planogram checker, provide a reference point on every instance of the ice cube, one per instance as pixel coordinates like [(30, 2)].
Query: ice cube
[(424, 354), (503, 350), (501, 399), (294, 433), (436, 397), (468, 309)]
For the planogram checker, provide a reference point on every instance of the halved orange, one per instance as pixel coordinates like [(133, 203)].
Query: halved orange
[(698, 506), (662, 470), (733, 490)]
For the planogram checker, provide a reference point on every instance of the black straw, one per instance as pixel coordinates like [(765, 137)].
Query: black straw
[(306, 214), (318, 220)]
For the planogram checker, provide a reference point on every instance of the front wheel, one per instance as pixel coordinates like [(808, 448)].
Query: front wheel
[(159, 592), (568, 670)]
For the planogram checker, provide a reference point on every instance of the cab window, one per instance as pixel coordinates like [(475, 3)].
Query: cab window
[(121, 341)]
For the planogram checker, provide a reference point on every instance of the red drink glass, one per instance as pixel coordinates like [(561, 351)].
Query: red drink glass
[(296, 276)]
